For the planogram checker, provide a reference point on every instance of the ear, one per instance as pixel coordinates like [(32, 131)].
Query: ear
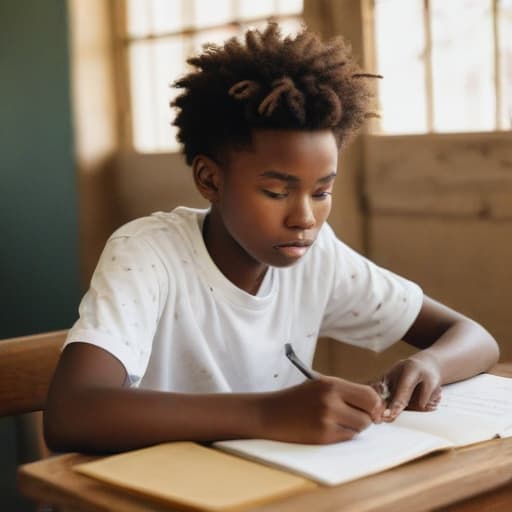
[(207, 177)]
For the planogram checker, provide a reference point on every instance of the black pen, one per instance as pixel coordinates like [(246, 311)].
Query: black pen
[(381, 386), (292, 356)]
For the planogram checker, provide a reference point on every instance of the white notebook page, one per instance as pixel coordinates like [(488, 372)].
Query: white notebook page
[(377, 448)]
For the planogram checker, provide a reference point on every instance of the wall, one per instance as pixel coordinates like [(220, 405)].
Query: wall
[(440, 212), (95, 122), (165, 183), (38, 200)]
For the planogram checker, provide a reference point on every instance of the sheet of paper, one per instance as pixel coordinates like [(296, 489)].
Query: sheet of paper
[(459, 428), (379, 447), (485, 395), (470, 411)]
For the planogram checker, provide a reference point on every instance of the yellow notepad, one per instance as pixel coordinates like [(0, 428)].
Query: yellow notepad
[(193, 477)]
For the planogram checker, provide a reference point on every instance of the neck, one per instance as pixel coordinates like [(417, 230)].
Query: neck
[(231, 259)]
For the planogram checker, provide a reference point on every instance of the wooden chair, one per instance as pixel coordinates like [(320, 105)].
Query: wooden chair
[(27, 364)]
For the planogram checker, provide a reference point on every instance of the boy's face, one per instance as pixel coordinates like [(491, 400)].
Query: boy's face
[(274, 196)]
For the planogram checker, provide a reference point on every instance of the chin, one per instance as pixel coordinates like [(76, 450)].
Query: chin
[(283, 263)]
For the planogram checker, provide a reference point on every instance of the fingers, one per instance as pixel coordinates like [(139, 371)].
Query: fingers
[(402, 394), (349, 408), (364, 398), (415, 383), (413, 394), (352, 418), (434, 400), (344, 423), (322, 410)]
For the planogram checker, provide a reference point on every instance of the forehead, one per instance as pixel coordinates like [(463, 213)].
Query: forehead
[(290, 151)]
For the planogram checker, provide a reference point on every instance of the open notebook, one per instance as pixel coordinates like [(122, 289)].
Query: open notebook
[(470, 411)]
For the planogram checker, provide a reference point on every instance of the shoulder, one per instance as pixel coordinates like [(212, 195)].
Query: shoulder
[(181, 219), (159, 239)]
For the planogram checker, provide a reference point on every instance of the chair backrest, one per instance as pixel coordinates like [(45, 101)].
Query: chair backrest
[(27, 364)]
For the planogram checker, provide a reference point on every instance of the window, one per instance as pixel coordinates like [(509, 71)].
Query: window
[(447, 65), (158, 38)]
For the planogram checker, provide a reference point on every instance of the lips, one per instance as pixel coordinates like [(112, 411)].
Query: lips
[(295, 243), (294, 249)]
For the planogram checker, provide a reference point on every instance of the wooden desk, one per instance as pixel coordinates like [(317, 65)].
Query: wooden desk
[(475, 478)]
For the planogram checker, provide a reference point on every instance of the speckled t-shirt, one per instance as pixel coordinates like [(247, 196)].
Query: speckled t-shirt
[(158, 303)]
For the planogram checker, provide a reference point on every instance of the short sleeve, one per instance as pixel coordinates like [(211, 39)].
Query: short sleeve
[(369, 306), (121, 310)]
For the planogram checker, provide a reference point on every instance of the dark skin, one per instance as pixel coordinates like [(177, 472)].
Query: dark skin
[(267, 201)]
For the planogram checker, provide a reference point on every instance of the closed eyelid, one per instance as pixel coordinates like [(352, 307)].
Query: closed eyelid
[(289, 187), (277, 192), (328, 188)]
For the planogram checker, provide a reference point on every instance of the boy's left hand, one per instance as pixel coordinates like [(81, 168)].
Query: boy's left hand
[(414, 383)]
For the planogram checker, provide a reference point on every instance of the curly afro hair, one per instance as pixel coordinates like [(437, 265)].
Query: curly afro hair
[(269, 82)]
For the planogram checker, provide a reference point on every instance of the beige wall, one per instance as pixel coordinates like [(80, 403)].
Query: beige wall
[(95, 120), (154, 182), (440, 212)]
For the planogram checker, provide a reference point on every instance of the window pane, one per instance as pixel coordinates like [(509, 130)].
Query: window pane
[(505, 43), (168, 16), (402, 92), (151, 72), (462, 65), (169, 65), (256, 9), (155, 16), (141, 86), (290, 6), (138, 14), (208, 12)]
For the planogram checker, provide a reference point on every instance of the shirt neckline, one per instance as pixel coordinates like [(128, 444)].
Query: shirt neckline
[(217, 282)]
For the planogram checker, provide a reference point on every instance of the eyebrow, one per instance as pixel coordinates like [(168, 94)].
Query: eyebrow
[(290, 178)]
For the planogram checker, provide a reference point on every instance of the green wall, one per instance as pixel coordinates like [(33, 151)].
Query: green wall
[(39, 281)]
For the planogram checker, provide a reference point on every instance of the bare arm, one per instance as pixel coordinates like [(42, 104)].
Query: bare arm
[(89, 410), (461, 347)]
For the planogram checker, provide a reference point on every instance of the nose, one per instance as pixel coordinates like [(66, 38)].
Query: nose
[(301, 215)]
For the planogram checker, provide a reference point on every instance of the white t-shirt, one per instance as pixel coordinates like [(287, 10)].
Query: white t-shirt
[(159, 304)]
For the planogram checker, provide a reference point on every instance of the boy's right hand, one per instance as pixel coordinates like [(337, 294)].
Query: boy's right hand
[(320, 411)]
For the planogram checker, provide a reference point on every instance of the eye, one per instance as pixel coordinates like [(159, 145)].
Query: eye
[(275, 195), (324, 194)]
